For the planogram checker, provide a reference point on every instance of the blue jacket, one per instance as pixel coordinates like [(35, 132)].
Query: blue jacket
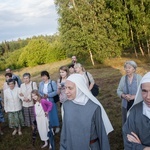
[(51, 92)]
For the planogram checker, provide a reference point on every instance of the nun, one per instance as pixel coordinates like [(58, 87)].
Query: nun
[(136, 130), (85, 122)]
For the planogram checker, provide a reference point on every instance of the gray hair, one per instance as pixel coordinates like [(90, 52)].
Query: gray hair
[(26, 75), (131, 63)]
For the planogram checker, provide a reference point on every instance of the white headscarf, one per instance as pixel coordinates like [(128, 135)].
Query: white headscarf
[(83, 95), (138, 96)]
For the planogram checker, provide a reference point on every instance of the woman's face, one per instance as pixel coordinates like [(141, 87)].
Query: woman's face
[(129, 69), (26, 79), (71, 70), (77, 69), (7, 78), (70, 90), (34, 96), (44, 78), (11, 85), (63, 73)]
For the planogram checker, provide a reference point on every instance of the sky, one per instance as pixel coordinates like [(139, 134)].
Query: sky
[(26, 18)]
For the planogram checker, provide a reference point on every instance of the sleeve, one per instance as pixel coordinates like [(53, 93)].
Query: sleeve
[(130, 126), (48, 105), (5, 101), (91, 78), (19, 81), (19, 91), (63, 145), (41, 89), (35, 86), (54, 92), (120, 87), (100, 130)]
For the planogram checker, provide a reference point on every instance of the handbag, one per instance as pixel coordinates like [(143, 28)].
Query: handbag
[(129, 103), (56, 97), (95, 89)]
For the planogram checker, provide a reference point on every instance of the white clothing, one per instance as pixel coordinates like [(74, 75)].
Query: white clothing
[(45, 90), (138, 96), (42, 122), (80, 83), (12, 100), (26, 90)]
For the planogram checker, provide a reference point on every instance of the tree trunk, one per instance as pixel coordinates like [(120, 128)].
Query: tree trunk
[(148, 49), (140, 47)]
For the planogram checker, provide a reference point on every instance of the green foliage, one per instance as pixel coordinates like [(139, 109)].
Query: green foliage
[(39, 51)]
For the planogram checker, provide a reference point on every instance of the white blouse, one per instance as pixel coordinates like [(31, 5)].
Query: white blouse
[(12, 102)]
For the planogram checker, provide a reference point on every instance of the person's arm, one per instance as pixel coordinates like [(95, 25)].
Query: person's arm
[(120, 87), (63, 139), (41, 86), (128, 128), (100, 130), (91, 80), (19, 81), (53, 92), (35, 86), (5, 101)]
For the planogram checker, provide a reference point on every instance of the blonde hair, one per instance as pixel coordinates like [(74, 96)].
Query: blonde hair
[(79, 65)]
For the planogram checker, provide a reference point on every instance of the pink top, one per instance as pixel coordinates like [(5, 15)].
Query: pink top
[(46, 105)]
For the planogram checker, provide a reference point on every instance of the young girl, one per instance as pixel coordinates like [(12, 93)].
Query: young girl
[(42, 108), (1, 116), (63, 71)]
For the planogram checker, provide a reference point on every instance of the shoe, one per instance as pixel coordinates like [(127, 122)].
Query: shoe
[(50, 147), (44, 145), (57, 130), (14, 132), (20, 133)]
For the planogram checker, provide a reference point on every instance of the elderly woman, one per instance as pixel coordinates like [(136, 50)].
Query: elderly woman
[(47, 90), (13, 106), (128, 87), (85, 122), (28, 106)]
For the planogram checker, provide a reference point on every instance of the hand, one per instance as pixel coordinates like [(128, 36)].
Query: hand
[(21, 94), (26, 99), (46, 114), (45, 96), (133, 138)]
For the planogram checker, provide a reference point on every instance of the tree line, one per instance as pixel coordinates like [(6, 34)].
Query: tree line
[(104, 28), (31, 52)]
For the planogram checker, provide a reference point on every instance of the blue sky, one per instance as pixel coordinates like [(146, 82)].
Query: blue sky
[(26, 18)]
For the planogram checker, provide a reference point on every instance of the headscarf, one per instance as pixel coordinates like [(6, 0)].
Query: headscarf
[(83, 95), (138, 96)]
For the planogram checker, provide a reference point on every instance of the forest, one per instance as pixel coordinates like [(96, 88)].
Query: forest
[(90, 29)]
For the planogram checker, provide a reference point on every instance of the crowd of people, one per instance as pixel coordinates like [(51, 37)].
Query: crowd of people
[(85, 124)]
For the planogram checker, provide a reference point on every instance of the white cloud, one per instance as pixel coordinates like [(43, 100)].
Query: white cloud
[(21, 18)]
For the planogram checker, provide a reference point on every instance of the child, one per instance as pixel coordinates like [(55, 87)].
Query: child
[(63, 71), (1, 116), (42, 108)]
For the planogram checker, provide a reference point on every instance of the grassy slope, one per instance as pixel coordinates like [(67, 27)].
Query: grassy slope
[(107, 77)]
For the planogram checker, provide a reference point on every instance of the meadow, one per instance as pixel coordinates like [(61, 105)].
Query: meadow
[(107, 76)]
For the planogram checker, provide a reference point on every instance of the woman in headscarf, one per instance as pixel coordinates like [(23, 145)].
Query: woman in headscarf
[(127, 87), (85, 122), (136, 130)]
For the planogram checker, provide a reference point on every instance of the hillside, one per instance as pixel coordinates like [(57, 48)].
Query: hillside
[(107, 76)]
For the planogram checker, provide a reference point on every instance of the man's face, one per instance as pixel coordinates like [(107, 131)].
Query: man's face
[(146, 93), (70, 90), (74, 59)]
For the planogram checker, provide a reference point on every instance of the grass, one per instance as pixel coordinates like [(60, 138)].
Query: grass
[(107, 76)]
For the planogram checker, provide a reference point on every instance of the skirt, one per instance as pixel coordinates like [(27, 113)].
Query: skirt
[(15, 119), (28, 113)]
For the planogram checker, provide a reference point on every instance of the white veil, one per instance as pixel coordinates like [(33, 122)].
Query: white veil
[(138, 96), (81, 84)]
